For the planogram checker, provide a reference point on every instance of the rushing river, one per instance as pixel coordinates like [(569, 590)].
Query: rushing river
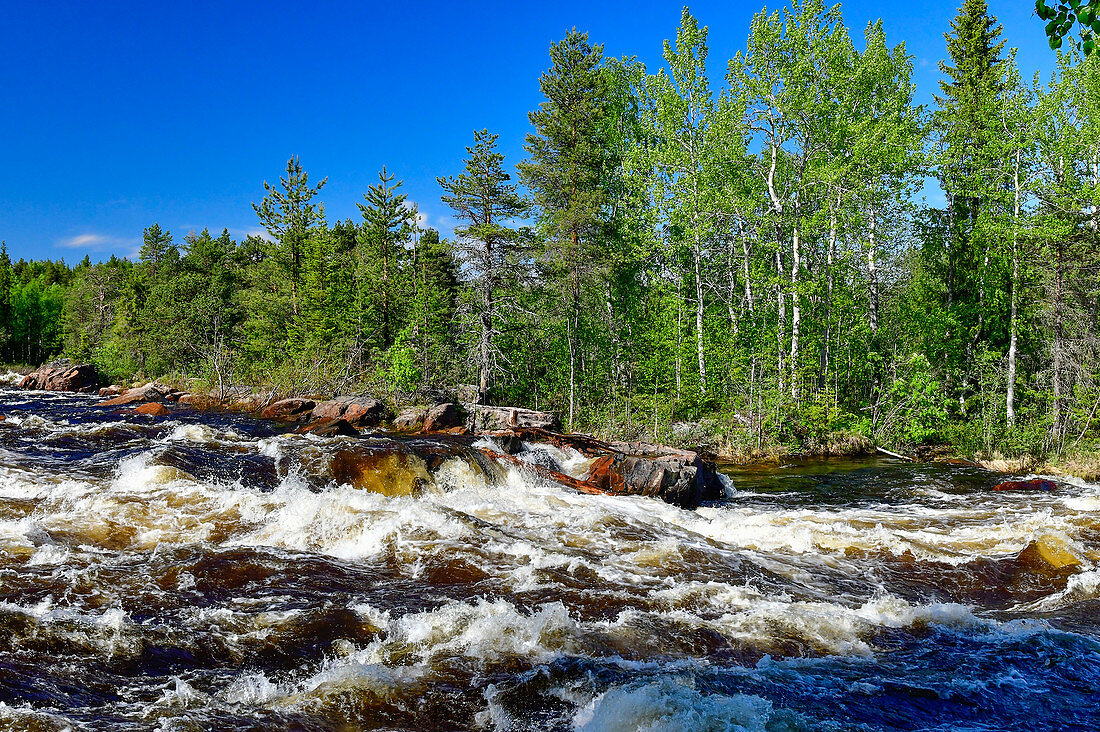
[(206, 572)]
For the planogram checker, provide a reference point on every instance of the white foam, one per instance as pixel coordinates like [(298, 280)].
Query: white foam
[(672, 705)]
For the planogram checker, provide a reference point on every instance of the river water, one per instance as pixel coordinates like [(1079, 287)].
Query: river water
[(209, 572)]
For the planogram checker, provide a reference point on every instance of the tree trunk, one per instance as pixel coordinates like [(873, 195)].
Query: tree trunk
[(830, 255), (872, 272), (1010, 391), (796, 306)]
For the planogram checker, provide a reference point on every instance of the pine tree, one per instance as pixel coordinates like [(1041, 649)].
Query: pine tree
[(287, 212), (483, 197), (387, 224), (568, 175)]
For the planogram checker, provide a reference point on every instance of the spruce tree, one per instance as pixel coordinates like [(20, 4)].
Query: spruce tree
[(966, 125), (568, 173), (483, 197)]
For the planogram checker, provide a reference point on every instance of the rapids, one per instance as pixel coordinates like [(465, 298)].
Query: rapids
[(209, 571)]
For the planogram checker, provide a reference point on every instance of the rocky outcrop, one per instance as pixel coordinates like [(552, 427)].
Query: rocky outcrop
[(329, 428), (1035, 484), (62, 377), (443, 417), (111, 391), (410, 419), (680, 477), (289, 409), (152, 409), (151, 392), (482, 418), (360, 411)]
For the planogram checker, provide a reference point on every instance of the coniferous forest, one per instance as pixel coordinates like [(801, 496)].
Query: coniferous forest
[(753, 259)]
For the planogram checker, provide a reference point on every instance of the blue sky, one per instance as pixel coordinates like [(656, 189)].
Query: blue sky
[(115, 115)]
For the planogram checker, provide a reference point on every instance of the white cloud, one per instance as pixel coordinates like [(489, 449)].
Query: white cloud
[(95, 242)]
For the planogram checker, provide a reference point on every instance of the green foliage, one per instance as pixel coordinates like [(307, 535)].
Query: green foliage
[(742, 266)]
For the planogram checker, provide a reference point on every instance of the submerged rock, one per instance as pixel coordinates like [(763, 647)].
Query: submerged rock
[(360, 411), (1048, 552), (289, 409), (1035, 484), (63, 377)]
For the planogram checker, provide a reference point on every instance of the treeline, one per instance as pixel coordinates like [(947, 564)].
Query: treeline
[(753, 255)]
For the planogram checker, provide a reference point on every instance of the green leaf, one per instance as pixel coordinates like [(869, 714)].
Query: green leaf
[(1055, 42), (1088, 47)]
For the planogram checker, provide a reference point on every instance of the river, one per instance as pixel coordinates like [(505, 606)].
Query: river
[(205, 571)]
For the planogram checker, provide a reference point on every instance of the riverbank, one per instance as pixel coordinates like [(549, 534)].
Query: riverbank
[(731, 443)]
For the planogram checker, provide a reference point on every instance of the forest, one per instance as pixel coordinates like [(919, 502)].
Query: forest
[(754, 261)]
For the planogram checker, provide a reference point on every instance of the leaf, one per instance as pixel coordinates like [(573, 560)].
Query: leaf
[(1088, 47)]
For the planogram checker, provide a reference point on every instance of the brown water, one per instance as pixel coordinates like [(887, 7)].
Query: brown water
[(207, 572)]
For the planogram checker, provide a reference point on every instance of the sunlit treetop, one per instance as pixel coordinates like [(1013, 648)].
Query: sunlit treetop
[(1062, 16)]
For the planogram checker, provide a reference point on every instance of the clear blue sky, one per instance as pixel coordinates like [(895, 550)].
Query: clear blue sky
[(115, 115)]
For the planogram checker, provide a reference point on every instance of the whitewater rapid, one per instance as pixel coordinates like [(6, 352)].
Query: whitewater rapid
[(205, 571)]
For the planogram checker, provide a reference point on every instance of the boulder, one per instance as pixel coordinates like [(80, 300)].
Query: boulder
[(410, 419), (1035, 484), (151, 392), (111, 391), (152, 409), (680, 477), (329, 428), (200, 401), (289, 409), (64, 377), (482, 418), (1048, 552), (442, 417), (360, 411)]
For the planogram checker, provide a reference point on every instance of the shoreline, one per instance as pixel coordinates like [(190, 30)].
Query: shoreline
[(840, 445)]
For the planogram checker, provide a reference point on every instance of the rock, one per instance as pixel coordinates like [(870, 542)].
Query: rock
[(289, 409), (483, 418), (329, 428), (1048, 552), (410, 419), (680, 477), (151, 392), (360, 411), (110, 391), (152, 409), (172, 397), (65, 377), (1035, 484), (200, 401), (442, 417)]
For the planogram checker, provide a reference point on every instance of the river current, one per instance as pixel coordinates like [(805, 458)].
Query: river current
[(208, 571)]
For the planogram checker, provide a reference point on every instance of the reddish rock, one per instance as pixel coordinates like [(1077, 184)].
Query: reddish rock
[(61, 378), (360, 411), (1035, 484), (329, 428), (289, 409), (680, 477), (442, 417), (172, 397), (139, 395), (152, 409), (410, 419), (483, 418)]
